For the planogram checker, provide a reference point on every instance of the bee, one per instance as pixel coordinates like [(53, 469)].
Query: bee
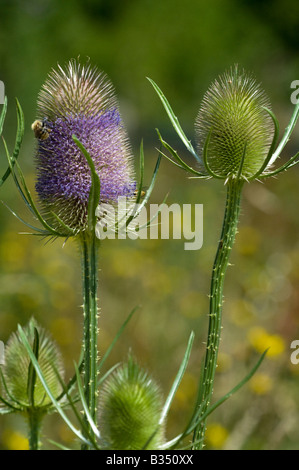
[(142, 194), (40, 129)]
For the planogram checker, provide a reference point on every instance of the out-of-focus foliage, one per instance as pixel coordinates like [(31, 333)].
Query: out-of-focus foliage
[(183, 46)]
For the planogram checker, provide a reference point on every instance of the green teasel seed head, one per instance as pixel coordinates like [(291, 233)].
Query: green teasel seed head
[(130, 410), (17, 369), (233, 126)]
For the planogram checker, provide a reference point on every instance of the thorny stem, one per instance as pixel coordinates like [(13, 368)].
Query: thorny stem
[(229, 229), (90, 285), (34, 421)]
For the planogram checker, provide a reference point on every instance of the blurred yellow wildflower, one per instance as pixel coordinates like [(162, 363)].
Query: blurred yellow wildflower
[(216, 435), (260, 339), (261, 384), (248, 241), (14, 440)]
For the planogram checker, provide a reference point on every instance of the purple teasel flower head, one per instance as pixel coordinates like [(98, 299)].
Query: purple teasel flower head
[(80, 100)]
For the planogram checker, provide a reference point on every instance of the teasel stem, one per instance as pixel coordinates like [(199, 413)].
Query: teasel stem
[(229, 230), (90, 245), (34, 422)]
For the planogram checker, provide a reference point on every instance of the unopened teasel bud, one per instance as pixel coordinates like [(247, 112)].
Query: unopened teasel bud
[(130, 410), (234, 124)]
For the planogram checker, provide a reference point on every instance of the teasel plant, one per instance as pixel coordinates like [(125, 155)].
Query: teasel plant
[(23, 392), (237, 137), (76, 142), (83, 159)]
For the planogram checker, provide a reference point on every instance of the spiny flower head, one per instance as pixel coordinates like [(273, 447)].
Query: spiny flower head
[(79, 100), (16, 375), (234, 127), (130, 410)]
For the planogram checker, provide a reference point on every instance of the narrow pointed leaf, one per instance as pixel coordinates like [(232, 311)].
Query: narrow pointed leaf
[(178, 158), (177, 380), (115, 339), (84, 404), (57, 444), (205, 157), (174, 120), (32, 227), (286, 135), (236, 388), (139, 207), (31, 370), (2, 115), (141, 173), (271, 149), (18, 142), (284, 167), (94, 195)]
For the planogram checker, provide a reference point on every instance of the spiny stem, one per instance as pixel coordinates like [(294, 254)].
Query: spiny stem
[(34, 421), (90, 285), (229, 229)]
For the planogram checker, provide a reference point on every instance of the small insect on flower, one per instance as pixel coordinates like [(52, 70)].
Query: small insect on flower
[(40, 129), (142, 193)]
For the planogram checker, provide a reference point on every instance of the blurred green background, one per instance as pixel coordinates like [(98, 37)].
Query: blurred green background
[(183, 46)]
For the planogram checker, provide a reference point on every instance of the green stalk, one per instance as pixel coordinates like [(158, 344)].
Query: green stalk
[(229, 229), (90, 308), (34, 421)]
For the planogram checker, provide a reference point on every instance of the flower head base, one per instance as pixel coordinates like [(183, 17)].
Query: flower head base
[(130, 410), (80, 101), (234, 127)]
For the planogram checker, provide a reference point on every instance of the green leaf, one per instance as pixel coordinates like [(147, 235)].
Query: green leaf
[(57, 444), (3, 114), (271, 149), (236, 388), (84, 404), (115, 339), (26, 196), (205, 157), (174, 120), (181, 164), (141, 173), (291, 162), (286, 135), (177, 379), (31, 371), (18, 142), (148, 192), (94, 194)]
